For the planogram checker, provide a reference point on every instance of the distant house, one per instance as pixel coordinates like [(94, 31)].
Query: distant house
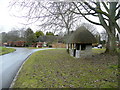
[(15, 43), (19, 43), (39, 44), (80, 42)]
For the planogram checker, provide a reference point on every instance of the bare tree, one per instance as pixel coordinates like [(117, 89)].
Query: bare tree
[(3, 37), (61, 17), (51, 15), (12, 35), (54, 15), (108, 14)]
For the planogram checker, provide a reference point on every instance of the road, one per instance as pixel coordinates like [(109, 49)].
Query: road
[(10, 64)]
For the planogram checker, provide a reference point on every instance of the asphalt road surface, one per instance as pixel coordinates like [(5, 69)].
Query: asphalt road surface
[(10, 64)]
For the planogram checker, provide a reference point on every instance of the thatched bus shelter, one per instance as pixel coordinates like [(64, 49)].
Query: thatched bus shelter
[(80, 42)]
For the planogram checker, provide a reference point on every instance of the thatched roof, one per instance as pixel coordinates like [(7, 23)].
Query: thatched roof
[(81, 35)]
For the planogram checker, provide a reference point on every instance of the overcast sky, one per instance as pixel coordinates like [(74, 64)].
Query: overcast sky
[(8, 21)]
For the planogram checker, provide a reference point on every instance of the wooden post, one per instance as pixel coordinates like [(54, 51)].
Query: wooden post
[(77, 51), (74, 50), (67, 46)]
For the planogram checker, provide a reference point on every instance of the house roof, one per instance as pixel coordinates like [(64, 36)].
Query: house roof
[(81, 35)]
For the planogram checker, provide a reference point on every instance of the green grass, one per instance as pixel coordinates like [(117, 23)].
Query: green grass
[(98, 51), (57, 69), (4, 50)]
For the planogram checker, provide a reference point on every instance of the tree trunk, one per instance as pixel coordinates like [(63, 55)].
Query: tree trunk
[(111, 45), (107, 45), (68, 50)]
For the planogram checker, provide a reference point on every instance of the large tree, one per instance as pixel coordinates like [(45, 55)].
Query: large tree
[(108, 14), (30, 36)]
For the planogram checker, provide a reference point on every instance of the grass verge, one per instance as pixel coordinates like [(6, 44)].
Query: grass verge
[(4, 50), (57, 69)]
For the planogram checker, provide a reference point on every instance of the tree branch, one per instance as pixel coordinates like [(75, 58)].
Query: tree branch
[(85, 16), (118, 27), (118, 7), (105, 6), (118, 15), (98, 10)]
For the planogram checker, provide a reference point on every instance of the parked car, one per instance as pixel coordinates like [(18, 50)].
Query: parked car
[(99, 46)]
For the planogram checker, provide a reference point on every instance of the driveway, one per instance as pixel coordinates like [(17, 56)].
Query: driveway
[(10, 64)]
